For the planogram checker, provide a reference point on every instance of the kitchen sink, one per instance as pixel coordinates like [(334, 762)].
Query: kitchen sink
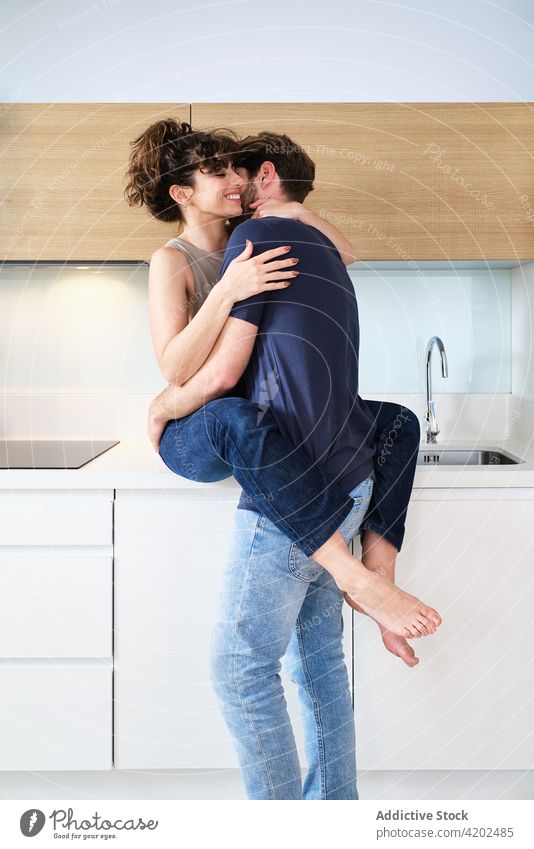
[(466, 457)]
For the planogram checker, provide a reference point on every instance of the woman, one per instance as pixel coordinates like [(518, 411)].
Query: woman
[(190, 178)]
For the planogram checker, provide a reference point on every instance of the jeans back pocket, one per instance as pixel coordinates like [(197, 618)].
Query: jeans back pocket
[(302, 566)]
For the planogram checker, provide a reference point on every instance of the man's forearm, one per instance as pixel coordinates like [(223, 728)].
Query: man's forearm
[(176, 402), (220, 372)]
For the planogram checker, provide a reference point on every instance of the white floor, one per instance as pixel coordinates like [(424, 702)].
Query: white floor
[(226, 784)]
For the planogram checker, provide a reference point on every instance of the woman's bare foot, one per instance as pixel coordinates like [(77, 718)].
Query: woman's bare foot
[(398, 646), (394, 609), (397, 611)]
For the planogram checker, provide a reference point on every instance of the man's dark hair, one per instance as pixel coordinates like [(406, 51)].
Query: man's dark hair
[(293, 165)]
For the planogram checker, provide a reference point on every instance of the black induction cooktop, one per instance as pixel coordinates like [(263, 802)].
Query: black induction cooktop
[(51, 453)]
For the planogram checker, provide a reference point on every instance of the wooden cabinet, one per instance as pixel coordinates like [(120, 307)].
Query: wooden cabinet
[(402, 180), (62, 170), (410, 180), (468, 703), (56, 665)]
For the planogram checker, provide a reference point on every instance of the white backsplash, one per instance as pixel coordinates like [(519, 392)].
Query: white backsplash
[(523, 330), (474, 417), (400, 310), (69, 331)]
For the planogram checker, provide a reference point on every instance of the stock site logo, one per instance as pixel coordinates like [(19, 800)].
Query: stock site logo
[(269, 389), (31, 822)]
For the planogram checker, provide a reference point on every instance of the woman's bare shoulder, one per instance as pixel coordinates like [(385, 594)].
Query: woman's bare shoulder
[(170, 265), (167, 256)]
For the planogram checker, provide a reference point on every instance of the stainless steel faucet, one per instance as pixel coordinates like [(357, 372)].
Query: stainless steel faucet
[(432, 428)]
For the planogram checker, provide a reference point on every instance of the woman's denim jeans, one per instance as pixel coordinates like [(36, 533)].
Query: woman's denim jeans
[(225, 437), (278, 603)]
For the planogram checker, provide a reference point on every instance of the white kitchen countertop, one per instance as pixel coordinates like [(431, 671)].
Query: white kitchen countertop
[(133, 464)]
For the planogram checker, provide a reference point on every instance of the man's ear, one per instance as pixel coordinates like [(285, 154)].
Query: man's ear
[(267, 173)]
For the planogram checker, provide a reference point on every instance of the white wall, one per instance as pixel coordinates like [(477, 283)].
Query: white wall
[(281, 50)]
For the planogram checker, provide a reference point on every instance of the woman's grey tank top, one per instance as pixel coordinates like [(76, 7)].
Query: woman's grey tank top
[(205, 266)]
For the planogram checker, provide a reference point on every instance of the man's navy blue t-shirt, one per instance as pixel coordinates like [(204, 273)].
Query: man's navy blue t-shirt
[(304, 365)]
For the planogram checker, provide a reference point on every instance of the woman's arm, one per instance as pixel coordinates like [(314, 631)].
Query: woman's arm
[(182, 346), (297, 211), (345, 248)]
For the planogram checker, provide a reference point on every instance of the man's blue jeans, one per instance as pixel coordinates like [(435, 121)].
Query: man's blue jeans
[(278, 603), (225, 437)]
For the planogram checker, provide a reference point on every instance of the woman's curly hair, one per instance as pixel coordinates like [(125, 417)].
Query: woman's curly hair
[(167, 153)]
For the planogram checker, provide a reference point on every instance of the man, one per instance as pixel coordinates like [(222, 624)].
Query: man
[(297, 350), (276, 602)]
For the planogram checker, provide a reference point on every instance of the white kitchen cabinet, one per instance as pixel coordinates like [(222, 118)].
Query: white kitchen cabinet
[(55, 605), (468, 704), (170, 551), (55, 716), (56, 665), (51, 517)]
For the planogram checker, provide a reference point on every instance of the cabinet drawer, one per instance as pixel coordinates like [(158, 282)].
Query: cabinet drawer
[(55, 519), (55, 717), (55, 606)]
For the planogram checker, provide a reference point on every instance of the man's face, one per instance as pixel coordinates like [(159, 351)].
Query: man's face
[(249, 190)]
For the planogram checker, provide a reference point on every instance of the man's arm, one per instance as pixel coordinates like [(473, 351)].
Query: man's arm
[(220, 372)]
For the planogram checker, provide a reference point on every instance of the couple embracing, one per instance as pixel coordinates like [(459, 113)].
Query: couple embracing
[(254, 323)]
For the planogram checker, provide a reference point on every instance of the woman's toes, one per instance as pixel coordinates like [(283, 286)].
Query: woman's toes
[(407, 654), (430, 615), (430, 624)]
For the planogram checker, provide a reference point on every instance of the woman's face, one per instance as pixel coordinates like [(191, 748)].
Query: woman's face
[(218, 193)]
